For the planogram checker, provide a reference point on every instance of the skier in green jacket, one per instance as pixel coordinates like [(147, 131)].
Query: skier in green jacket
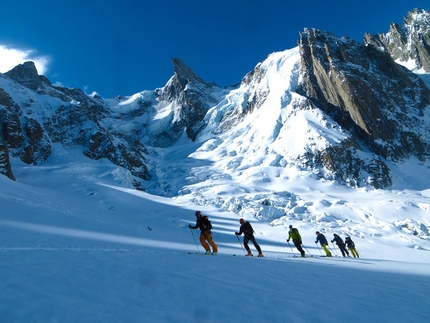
[(297, 239)]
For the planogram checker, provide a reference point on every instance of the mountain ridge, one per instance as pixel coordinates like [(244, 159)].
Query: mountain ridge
[(376, 109)]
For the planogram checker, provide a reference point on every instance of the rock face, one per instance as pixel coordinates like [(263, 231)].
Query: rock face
[(407, 43), (366, 92)]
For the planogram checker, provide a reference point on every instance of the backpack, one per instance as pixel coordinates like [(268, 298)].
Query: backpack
[(206, 224), (349, 242), (247, 229)]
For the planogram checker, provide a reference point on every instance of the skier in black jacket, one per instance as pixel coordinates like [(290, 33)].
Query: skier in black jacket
[(340, 244), (248, 231)]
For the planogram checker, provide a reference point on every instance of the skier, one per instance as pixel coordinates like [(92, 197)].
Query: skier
[(351, 247), (297, 239), (323, 241), (205, 226), (248, 231), (340, 244)]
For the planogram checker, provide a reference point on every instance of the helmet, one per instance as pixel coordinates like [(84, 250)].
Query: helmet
[(317, 232), (290, 226), (198, 213), (241, 220)]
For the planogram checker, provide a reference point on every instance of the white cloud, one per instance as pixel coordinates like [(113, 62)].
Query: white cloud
[(11, 57)]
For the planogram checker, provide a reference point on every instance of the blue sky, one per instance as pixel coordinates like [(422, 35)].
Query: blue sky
[(124, 47)]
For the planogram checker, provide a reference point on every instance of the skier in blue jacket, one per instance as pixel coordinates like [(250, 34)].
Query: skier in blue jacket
[(323, 241)]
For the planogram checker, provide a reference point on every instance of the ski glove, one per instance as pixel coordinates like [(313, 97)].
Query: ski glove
[(288, 240), (236, 233), (189, 226)]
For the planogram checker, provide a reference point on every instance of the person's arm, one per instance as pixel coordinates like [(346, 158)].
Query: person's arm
[(195, 226), (240, 231)]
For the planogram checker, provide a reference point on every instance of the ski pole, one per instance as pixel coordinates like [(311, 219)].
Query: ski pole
[(319, 248), (240, 244), (290, 248), (307, 250), (334, 249), (194, 238)]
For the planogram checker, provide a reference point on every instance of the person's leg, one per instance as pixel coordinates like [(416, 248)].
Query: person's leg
[(299, 247), (256, 245), (245, 244), (203, 242), (346, 251), (211, 242), (327, 252)]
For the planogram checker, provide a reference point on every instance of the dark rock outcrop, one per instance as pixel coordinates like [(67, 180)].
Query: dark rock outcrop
[(5, 167)]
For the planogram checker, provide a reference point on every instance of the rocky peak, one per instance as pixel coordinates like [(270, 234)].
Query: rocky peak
[(183, 73), (26, 75), (190, 98), (407, 42)]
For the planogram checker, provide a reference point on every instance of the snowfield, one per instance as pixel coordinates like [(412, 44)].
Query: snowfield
[(79, 246)]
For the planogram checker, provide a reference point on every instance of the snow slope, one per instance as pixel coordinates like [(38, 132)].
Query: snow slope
[(77, 245)]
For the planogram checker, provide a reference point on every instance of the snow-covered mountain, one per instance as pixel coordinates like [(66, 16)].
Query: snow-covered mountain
[(328, 112)]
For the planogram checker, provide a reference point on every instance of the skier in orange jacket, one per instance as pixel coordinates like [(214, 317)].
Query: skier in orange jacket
[(205, 226)]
